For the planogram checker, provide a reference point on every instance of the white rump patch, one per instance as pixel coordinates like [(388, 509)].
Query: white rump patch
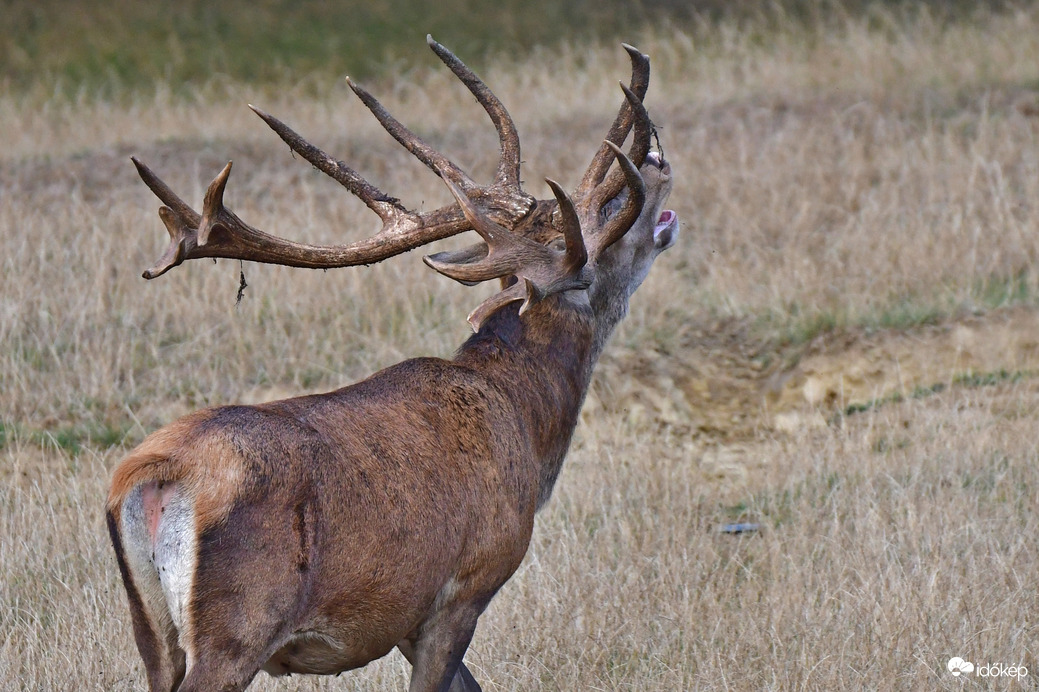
[(175, 556), (158, 526)]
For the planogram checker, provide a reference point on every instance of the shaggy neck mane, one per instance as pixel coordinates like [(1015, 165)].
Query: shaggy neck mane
[(543, 363)]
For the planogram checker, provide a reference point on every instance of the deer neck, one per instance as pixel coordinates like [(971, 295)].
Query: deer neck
[(542, 362)]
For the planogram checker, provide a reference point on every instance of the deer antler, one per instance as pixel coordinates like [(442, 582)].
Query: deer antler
[(218, 232), (539, 270), (618, 132)]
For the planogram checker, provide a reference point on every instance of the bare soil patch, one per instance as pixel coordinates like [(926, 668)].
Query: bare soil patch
[(723, 385)]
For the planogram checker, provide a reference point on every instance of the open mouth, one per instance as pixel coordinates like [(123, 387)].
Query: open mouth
[(667, 218), (665, 232)]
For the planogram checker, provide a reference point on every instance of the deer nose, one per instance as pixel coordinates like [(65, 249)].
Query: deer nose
[(655, 158)]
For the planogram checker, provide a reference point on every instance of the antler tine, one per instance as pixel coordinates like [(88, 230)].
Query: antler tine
[(640, 146), (576, 252), (466, 255), (621, 125), (387, 207), (175, 251), (436, 161), (164, 193), (178, 218), (641, 139), (212, 204), (508, 174), (539, 270), (617, 226)]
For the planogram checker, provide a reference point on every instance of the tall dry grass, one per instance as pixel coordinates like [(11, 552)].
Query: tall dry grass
[(878, 174)]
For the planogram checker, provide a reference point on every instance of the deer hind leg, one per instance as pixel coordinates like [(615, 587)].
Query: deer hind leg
[(228, 658), (218, 675), (464, 681), (253, 570), (154, 630)]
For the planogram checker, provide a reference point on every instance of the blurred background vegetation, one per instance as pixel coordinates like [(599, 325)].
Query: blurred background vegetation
[(112, 47)]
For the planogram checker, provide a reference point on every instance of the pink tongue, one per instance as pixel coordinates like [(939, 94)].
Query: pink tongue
[(666, 216)]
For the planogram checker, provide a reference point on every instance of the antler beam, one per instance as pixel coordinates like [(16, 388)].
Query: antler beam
[(218, 232)]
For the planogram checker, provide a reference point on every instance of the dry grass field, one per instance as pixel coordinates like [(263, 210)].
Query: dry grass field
[(842, 348)]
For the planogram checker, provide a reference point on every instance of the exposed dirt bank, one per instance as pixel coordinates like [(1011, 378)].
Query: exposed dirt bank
[(721, 386)]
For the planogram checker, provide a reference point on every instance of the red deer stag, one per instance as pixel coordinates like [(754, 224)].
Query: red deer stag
[(314, 534)]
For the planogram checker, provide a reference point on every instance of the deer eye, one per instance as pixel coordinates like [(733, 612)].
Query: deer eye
[(610, 208)]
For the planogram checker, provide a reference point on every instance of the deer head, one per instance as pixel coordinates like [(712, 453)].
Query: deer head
[(315, 534)]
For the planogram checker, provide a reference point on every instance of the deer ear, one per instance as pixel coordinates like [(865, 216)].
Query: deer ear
[(514, 293), (534, 294)]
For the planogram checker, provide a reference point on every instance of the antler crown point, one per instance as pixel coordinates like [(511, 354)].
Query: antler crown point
[(260, 112), (634, 52)]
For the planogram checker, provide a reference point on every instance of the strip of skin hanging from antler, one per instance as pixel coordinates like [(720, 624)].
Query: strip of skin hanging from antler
[(219, 232)]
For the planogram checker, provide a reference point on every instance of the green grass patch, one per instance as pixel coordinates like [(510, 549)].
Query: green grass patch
[(906, 314), (115, 46), (804, 325), (70, 439), (987, 379), (1004, 291), (797, 324), (122, 44), (968, 380), (803, 328)]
